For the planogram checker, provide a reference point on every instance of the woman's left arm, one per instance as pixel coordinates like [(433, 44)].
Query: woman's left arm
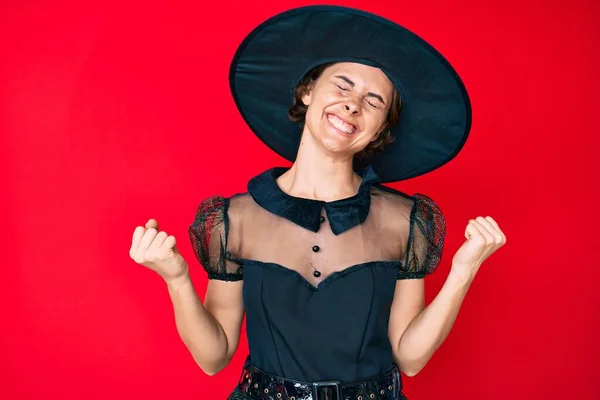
[(416, 331)]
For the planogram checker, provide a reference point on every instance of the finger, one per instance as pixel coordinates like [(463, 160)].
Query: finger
[(170, 242), (477, 234), (489, 238), (158, 240), (496, 237), (495, 225), (138, 232), (146, 241), (472, 233), (152, 223)]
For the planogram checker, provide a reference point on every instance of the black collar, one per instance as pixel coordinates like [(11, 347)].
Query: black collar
[(343, 214)]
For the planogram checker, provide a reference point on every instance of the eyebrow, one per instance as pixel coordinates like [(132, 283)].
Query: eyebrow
[(371, 94)]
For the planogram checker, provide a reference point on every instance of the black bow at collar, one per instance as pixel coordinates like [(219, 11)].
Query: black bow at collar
[(343, 214)]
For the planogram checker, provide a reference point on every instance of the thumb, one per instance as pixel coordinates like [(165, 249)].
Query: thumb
[(152, 223), (470, 231)]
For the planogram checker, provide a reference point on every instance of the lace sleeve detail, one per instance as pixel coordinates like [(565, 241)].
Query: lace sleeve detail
[(208, 234), (426, 239)]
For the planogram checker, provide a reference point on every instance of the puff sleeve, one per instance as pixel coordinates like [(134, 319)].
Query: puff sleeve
[(426, 239), (208, 234)]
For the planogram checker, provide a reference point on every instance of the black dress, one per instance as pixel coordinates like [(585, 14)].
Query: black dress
[(334, 326)]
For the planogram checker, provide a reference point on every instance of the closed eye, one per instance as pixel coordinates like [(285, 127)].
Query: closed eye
[(372, 105), (346, 90), (342, 88)]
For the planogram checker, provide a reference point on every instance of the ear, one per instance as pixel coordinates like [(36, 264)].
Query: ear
[(307, 97)]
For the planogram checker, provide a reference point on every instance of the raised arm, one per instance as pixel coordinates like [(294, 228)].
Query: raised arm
[(416, 331), (211, 331)]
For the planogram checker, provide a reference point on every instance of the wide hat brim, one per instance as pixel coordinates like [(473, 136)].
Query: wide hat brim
[(436, 112)]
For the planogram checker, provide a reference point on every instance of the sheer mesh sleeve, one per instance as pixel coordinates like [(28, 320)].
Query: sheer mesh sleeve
[(208, 234), (426, 239)]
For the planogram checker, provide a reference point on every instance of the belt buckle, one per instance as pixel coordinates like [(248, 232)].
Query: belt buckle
[(318, 386)]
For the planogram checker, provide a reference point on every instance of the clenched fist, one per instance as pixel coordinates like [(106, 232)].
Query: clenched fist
[(156, 251), (484, 237)]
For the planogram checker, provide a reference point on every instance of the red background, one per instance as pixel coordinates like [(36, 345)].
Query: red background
[(113, 113)]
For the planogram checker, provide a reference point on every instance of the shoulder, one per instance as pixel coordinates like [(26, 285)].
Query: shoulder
[(215, 205), (426, 211), (392, 204), (209, 238), (211, 205), (417, 222)]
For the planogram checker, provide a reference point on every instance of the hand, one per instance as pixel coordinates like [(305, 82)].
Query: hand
[(156, 251), (484, 237)]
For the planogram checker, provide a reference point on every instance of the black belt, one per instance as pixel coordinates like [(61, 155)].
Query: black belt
[(257, 384)]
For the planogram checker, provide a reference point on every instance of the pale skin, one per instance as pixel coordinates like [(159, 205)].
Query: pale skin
[(361, 96)]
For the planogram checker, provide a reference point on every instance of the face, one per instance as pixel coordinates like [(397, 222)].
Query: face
[(347, 107)]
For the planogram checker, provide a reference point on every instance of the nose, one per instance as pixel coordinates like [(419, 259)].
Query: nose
[(351, 106)]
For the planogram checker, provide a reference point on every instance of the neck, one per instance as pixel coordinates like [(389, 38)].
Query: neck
[(318, 174)]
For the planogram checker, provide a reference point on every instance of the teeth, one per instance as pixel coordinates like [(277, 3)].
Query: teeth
[(341, 125)]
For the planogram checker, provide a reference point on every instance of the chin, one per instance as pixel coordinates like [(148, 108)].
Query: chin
[(336, 146), (334, 141)]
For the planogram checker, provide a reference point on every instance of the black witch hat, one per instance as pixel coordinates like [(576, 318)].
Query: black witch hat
[(270, 62)]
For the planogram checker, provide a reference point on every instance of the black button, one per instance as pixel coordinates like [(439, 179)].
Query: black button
[(322, 219), (316, 248)]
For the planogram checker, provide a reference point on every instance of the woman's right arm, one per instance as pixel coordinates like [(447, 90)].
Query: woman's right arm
[(211, 332)]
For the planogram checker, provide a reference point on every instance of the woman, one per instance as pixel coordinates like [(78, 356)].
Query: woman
[(326, 262)]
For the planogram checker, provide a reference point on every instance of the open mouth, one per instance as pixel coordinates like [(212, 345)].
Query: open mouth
[(341, 125)]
